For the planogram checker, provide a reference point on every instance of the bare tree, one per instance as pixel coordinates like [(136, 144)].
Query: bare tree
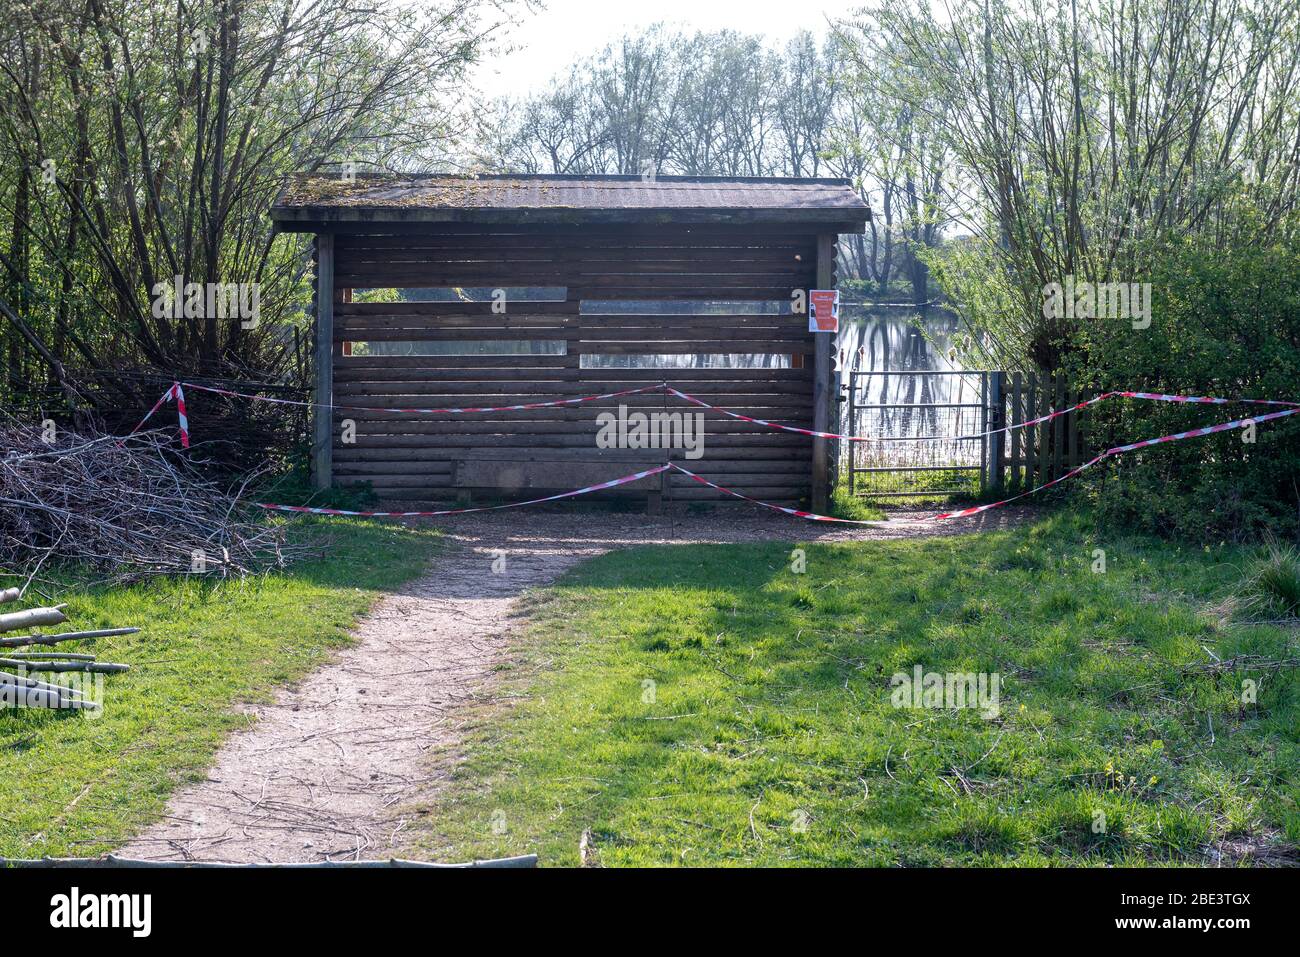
[(145, 140), (726, 104)]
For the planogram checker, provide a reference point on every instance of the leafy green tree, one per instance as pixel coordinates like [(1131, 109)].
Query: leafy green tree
[(1085, 135)]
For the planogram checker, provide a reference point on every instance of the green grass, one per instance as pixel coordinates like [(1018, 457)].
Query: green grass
[(844, 505), (72, 785), (922, 488), (770, 737), (1273, 587)]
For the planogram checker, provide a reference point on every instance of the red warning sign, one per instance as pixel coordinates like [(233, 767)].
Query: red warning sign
[(824, 310)]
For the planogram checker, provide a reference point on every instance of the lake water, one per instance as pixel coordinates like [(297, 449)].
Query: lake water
[(877, 340), (901, 340)]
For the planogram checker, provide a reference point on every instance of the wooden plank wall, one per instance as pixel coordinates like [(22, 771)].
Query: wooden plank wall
[(409, 456)]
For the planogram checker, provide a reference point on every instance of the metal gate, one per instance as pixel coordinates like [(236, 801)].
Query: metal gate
[(926, 430), (925, 427)]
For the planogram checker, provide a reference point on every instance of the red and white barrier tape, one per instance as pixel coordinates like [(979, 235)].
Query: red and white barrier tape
[(771, 425), (176, 391), (875, 438), (975, 510), (173, 392), (798, 513), (1120, 450), (626, 479), (612, 483), (1203, 399), (1055, 413), (182, 419)]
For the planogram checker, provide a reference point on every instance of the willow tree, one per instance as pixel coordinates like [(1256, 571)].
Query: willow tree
[(1084, 134), (143, 140)]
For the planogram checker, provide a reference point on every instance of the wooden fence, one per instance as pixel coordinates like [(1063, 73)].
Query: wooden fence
[(932, 439), (1028, 457)]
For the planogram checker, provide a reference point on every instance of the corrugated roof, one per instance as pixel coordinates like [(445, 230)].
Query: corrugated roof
[(539, 198)]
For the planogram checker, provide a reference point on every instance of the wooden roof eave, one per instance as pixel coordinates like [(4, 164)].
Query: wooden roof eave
[(333, 218)]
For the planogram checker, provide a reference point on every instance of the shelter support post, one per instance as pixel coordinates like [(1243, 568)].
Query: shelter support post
[(824, 392), (322, 418)]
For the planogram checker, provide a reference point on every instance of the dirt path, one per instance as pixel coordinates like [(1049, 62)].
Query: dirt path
[(322, 772)]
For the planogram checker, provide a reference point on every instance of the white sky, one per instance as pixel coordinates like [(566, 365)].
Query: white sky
[(568, 30)]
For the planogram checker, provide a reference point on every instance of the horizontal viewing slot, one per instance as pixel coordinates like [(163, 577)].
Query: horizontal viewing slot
[(734, 360), (459, 347), (463, 294), (685, 307)]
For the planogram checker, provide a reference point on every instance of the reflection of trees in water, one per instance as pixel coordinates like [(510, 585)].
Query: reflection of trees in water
[(889, 340)]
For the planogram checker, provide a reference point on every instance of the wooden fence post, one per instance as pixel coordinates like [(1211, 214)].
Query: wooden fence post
[(323, 418), (997, 441), (1017, 436), (1038, 407), (1058, 424)]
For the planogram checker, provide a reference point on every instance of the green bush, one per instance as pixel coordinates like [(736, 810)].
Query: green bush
[(1224, 322)]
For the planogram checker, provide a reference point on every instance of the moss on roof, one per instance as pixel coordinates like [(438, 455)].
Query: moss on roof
[(307, 190)]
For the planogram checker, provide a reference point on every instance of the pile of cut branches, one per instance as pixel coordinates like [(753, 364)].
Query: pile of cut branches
[(125, 507)]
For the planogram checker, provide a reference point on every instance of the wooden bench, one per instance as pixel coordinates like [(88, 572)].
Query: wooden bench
[(561, 470)]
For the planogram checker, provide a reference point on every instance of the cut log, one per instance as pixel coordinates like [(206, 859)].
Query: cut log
[(20, 640), (32, 618), (49, 656), (18, 684), (87, 667), (9, 594), (13, 696)]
